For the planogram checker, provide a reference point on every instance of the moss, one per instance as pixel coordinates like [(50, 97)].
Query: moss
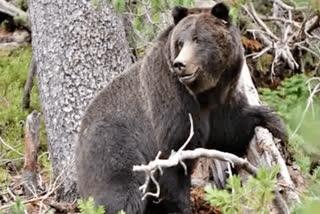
[(23, 5), (21, 20), (4, 176)]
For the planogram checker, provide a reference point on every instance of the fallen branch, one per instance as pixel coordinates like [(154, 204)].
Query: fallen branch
[(279, 45), (178, 157), (258, 20), (262, 151), (51, 189), (10, 147), (312, 92), (271, 19), (286, 37), (9, 9), (13, 11)]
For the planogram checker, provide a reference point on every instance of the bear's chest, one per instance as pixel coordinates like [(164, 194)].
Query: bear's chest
[(204, 124)]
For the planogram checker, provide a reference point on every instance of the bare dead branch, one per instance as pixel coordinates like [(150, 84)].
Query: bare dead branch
[(292, 35), (29, 84), (11, 10), (309, 101), (283, 5), (52, 188), (260, 22), (262, 151), (178, 157), (10, 147), (286, 21)]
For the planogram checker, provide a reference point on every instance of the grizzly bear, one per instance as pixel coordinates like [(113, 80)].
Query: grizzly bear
[(192, 67), (208, 58), (141, 112)]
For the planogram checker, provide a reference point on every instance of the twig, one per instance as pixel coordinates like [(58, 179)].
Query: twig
[(11, 194), (150, 171), (52, 188), (261, 23), (178, 157), (268, 18), (257, 55), (11, 10), (288, 7), (288, 41), (309, 102), (190, 135), (175, 159), (283, 5), (5, 161), (10, 147)]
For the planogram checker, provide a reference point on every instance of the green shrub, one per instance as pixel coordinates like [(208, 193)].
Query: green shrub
[(4, 176), (285, 98), (17, 207), (255, 196), (87, 207), (290, 101)]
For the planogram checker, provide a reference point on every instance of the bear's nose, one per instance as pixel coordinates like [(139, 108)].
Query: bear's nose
[(179, 65)]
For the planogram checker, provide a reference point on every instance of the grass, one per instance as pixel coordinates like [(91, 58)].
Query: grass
[(14, 67)]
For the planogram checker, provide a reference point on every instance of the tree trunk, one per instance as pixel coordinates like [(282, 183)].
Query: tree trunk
[(78, 49)]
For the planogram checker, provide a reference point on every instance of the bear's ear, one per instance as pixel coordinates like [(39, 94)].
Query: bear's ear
[(178, 13), (221, 11)]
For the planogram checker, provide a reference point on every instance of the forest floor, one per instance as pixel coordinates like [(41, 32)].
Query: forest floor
[(45, 202), (289, 98), (285, 89)]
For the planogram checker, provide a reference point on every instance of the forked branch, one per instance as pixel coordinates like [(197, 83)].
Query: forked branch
[(178, 158)]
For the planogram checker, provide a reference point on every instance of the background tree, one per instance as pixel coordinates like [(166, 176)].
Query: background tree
[(78, 47)]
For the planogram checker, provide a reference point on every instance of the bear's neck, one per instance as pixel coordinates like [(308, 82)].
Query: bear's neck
[(227, 85), (162, 92), (210, 98)]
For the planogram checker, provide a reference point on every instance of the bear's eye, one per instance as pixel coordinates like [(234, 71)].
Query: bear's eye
[(196, 40), (179, 45)]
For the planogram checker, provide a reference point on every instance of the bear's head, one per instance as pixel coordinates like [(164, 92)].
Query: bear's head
[(205, 46)]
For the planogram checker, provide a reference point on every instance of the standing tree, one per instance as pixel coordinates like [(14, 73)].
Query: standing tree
[(78, 47)]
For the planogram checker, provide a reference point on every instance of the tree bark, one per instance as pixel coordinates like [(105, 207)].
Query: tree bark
[(78, 49)]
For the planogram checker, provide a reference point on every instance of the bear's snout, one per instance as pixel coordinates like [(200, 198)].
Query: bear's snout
[(179, 66)]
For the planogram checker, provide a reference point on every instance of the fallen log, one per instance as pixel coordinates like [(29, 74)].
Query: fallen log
[(13, 11), (262, 151)]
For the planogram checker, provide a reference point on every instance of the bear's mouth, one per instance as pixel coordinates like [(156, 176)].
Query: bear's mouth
[(188, 78)]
